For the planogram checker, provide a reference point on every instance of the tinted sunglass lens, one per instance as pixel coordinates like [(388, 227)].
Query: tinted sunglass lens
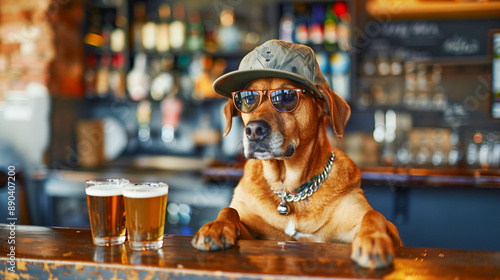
[(284, 100), (246, 101)]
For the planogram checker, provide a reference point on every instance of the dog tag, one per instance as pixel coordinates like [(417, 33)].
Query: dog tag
[(283, 208)]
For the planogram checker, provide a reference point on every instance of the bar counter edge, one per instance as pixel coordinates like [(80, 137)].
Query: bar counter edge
[(68, 253)]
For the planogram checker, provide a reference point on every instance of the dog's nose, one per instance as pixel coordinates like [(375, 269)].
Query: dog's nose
[(257, 130)]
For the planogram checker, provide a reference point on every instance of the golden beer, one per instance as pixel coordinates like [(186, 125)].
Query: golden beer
[(106, 212), (145, 205)]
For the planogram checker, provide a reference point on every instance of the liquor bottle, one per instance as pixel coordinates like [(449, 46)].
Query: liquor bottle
[(138, 79), (455, 154), (255, 30), (162, 30), (139, 20), (117, 76), (106, 30), (330, 30), (177, 28), (195, 32), (210, 27), (148, 34), (316, 32), (410, 85), (164, 82), (301, 30), (93, 37), (90, 75), (102, 78), (339, 69), (396, 66), (143, 120), (286, 24), (343, 25), (439, 99), (118, 37), (202, 81), (423, 101), (229, 35), (171, 108)]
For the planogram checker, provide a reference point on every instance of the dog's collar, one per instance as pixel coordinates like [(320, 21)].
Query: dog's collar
[(305, 190)]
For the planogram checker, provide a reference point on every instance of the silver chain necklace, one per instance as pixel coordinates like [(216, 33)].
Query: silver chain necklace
[(304, 191)]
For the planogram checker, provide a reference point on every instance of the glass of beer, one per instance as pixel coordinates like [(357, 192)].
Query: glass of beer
[(145, 204), (106, 211)]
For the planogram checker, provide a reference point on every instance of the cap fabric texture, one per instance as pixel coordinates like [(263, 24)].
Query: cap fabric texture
[(275, 59)]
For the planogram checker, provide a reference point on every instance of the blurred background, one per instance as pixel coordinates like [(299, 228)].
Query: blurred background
[(123, 88)]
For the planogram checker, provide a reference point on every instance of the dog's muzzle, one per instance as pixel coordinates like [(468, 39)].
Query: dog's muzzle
[(260, 142)]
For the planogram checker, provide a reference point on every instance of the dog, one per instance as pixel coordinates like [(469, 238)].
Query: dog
[(295, 186)]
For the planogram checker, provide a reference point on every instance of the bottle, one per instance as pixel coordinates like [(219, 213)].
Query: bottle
[(251, 36), (171, 108), (118, 37), (301, 31), (162, 30), (139, 20), (409, 97), (210, 28), (195, 32), (148, 35), (330, 30), (423, 101), (229, 36), (143, 120), (286, 24), (93, 37), (164, 82), (138, 79), (117, 76), (439, 100), (102, 78), (316, 32), (339, 69), (106, 30), (202, 81), (343, 25), (90, 75), (177, 28)]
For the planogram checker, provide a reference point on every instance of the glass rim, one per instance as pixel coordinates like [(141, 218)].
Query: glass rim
[(145, 190), (145, 185), (107, 181)]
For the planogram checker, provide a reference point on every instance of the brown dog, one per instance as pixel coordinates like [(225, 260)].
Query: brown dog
[(281, 196)]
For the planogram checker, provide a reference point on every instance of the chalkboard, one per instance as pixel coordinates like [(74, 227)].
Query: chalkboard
[(426, 39)]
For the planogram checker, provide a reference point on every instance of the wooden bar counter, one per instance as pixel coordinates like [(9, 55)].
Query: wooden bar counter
[(66, 253)]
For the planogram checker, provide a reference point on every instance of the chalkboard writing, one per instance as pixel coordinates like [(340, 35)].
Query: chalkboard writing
[(433, 39)]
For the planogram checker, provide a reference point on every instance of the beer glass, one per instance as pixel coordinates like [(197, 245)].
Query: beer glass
[(106, 211), (145, 204)]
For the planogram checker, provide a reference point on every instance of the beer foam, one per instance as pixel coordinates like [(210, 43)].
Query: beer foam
[(145, 191), (104, 190)]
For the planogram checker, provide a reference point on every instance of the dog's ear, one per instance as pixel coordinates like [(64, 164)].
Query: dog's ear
[(229, 113), (339, 110)]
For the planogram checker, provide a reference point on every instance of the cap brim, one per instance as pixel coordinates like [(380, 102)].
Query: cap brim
[(237, 80)]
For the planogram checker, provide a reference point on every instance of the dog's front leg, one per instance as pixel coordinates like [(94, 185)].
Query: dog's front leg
[(373, 245), (221, 233)]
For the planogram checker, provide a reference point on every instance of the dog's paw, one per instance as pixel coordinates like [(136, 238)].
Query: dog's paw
[(216, 235), (374, 250)]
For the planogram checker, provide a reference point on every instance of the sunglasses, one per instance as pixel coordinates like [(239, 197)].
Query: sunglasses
[(284, 100)]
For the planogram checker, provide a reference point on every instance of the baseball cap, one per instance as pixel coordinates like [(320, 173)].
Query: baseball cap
[(277, 59)]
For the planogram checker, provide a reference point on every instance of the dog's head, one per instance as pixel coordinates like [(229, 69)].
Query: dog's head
[(270, 134)]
